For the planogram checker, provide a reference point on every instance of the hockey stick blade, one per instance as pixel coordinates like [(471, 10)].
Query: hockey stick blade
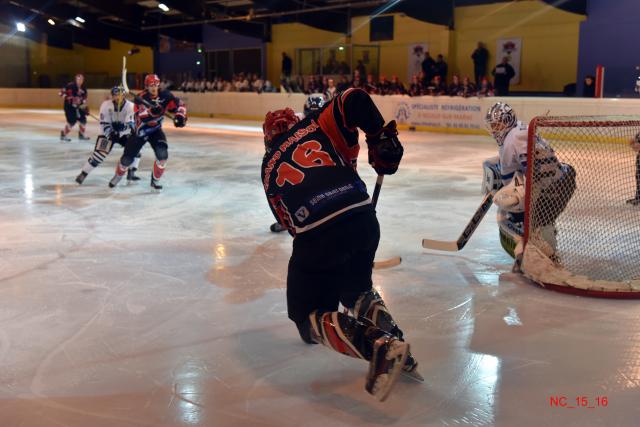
[(387, 263), (440, 245), (456, 245)]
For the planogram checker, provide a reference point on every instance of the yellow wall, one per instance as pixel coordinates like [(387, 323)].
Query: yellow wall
[(394, 54), (82, 59), (549, 41), (288, 37)]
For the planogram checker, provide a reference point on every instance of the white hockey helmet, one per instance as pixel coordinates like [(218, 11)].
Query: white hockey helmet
[(500, 119)]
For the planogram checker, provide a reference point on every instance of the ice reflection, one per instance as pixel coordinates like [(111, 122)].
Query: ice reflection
[(28, 187), (512, 318)]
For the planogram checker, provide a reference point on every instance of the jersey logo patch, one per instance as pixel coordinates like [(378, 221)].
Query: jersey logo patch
[(302, 214)]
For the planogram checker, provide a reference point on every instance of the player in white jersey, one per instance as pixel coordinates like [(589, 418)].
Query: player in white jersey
[(555, 181), (116, 125)]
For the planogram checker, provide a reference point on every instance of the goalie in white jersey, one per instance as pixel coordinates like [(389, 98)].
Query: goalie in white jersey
[(505, 175), (116, 126)]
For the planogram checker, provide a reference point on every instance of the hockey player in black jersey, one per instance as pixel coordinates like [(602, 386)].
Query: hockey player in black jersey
[(150, 107), (76, 108), (312, 105), (310, 179)]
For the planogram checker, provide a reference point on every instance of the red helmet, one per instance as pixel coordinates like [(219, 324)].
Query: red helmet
[(151, 80), (278, 122)]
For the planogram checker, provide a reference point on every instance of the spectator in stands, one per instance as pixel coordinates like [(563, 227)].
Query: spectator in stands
[(428, 65), (467, 89), (357, 82), (437, 87), (314, 85), (371, 87), (331, 90), (589, 87), (455, 85), (360, 69), (268, 87), (416, 87), (344, 83), (441, 69), (485, 89), (502, 75), (480, 57), (287, 65), (396, 87), (384, 85)]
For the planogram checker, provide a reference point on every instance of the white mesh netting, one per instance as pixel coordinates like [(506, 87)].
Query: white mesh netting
[(582, 233)]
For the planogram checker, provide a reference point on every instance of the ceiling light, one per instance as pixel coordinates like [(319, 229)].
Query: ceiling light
[(21, 27), (80, 19), (51, 21), (163, 7)]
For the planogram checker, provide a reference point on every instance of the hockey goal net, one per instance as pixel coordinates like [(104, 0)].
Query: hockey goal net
[(581, 236)]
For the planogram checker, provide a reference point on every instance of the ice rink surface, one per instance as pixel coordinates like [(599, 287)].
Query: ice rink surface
[(130, 308)]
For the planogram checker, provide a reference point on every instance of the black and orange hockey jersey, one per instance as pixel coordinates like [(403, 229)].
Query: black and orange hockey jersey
[(309, 173)]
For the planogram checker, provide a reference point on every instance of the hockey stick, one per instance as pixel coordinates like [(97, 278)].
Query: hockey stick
[(128, 92), (391, 262), (456, 245)]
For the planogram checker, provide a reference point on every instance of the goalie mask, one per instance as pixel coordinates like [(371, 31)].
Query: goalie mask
[(500, 119), (117, 96), (314, 103), (276, 123)]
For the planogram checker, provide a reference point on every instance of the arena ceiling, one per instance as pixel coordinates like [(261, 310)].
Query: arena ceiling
[(141, 21)]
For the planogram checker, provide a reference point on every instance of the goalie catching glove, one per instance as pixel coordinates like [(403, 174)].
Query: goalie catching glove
[(511, 197), (385, 150)]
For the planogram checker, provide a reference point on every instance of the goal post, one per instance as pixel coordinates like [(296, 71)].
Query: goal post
[(580, 235)]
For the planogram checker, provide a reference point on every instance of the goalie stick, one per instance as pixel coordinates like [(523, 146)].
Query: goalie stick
[(456, 245), (128, 92), (391, 262)]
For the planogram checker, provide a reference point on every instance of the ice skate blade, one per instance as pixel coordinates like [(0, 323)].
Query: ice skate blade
[(413, 375)]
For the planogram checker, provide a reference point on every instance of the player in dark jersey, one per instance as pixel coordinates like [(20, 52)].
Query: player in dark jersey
[(76, 108), (310, 179), (312, 106), (150, 107)]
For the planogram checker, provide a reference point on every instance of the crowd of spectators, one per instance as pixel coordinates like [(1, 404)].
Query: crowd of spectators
[(431, 81), (242, 82)]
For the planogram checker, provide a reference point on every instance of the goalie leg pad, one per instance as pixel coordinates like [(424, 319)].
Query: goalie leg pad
[(511, 197)]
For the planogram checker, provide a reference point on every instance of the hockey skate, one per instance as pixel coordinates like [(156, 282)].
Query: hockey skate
[(155, 183), (131, 175), (371, 307), (63, 137), (635, 201), (115, 180), (83, 137), (80, 178), (276, 227), (388, 358)]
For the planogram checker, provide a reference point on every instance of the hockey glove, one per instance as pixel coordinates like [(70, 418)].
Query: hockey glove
[(179, 121), (385, 150)]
